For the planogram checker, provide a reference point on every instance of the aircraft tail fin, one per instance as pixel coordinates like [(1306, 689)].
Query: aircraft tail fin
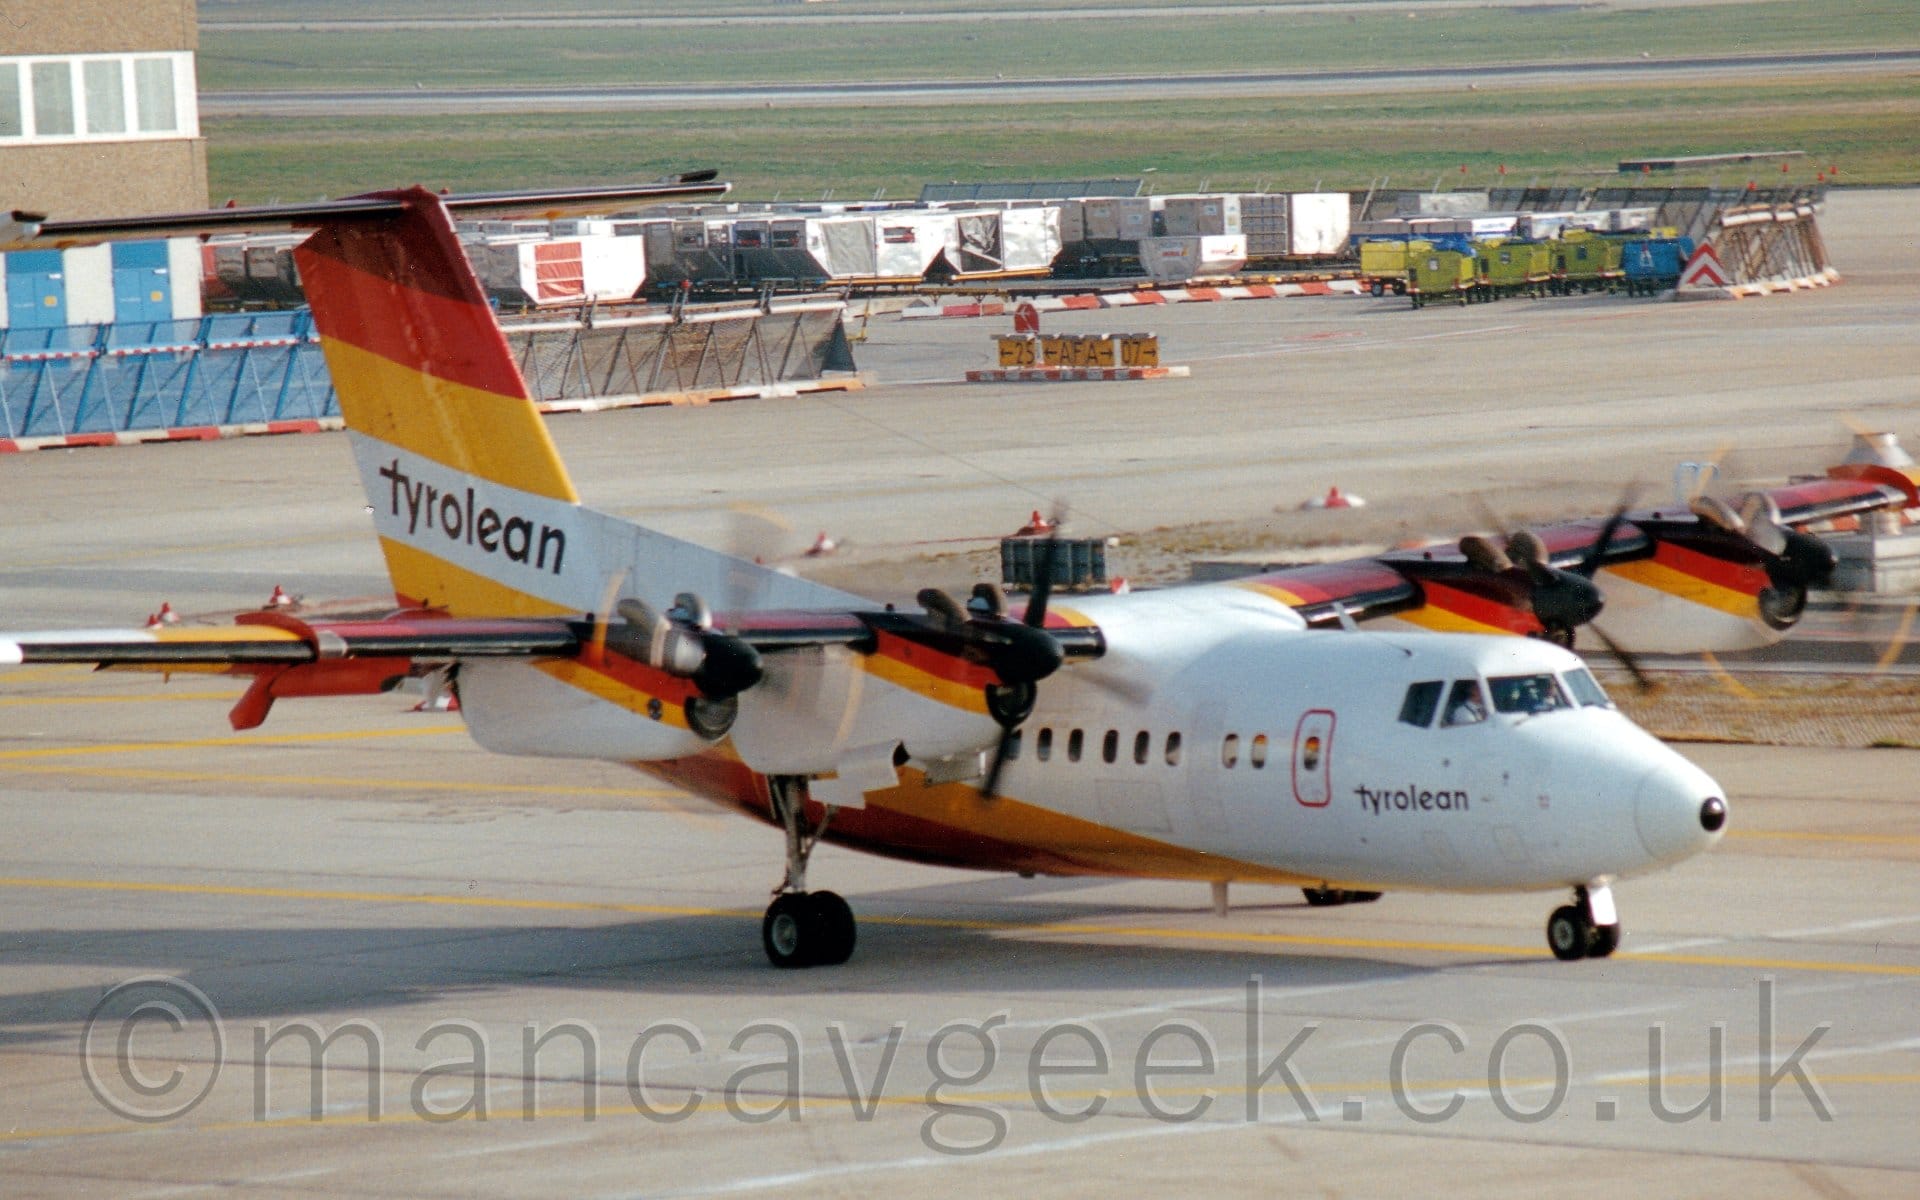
[(469, 494), (475, 512)]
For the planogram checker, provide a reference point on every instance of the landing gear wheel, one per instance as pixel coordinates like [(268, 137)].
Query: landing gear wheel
[(1569, 933), (1606, 938), (785, 930), (833, 928), (808, 929)]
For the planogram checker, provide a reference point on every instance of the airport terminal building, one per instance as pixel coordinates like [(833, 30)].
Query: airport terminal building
[(99, 108)]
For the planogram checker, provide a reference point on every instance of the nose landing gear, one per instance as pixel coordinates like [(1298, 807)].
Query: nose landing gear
[(1587, 928), (802, 928)]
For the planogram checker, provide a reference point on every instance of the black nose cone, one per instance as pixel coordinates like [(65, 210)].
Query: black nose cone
[(1713, 814)]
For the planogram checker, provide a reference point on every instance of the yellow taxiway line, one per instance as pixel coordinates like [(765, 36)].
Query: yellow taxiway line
[(1022, 928)]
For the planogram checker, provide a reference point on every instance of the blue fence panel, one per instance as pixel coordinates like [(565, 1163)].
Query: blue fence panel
[(229, 369)]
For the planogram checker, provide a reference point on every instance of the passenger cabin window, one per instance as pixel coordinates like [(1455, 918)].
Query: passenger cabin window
[(1110, 746), (1075, 741), (1464, 703), (1257, 752), (1230, 750), (1043, 745), (1586, 689), (1526, 694), (1142, 746), (1173, 749), (1423, 700)]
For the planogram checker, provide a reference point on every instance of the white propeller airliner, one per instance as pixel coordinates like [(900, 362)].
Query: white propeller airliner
[(1201, 733)]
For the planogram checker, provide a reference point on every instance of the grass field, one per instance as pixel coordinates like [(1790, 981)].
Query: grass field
[(1566, 135), (1868, 124), (969, 48)]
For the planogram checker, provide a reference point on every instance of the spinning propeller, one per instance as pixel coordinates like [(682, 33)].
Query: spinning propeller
[(1562, 599), (1037, 655), (1794, 561)]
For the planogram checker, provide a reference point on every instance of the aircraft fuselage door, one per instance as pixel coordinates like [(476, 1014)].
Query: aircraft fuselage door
[(1313, 758)]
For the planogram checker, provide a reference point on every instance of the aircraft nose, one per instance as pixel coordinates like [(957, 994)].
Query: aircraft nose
[(1679, 811)]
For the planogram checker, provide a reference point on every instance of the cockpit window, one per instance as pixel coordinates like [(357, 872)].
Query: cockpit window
[(1423, 700), (1527, 694), (1464, 703), (1586, 689)]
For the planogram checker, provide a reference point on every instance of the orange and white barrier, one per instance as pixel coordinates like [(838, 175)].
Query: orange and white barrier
[(1134, 297)]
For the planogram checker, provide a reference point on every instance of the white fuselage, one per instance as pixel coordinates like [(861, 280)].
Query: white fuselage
[(1291, 752)]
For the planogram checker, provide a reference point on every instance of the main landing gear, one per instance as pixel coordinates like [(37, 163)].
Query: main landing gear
[(1587, 928), (802, 928)]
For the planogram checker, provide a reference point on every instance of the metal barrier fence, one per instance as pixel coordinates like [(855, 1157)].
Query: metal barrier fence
[(227, 369), (593, 355), (241, 368)]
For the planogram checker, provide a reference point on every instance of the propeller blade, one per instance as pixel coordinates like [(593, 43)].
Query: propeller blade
[(1485, 555), (943, 608), (597, 645), (1590, 565), (987, 600), (1762, 518), (1641, 679)]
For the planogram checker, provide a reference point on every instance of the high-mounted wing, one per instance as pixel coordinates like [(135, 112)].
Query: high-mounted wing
[(1710, 575)]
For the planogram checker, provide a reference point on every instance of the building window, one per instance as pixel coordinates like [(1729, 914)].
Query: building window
[(52, 98), (97, 97), (106, 95), (153, 90), (12, 121)]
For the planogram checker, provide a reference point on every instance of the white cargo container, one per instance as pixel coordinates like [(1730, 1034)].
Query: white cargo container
[(1170, 259), (561, 271), (907, 243), (1317, 224)]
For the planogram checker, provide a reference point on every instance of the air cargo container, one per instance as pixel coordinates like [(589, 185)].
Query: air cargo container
[(543, 272), (907, 243), (1263, 219), (1117, 218), (1317, 224), (1198, 216), (694, 250), (1169, 259), (997, 244)]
